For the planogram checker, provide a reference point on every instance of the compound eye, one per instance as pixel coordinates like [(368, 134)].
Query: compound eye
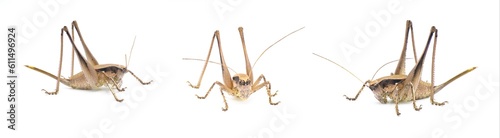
[(242, 82), (248, 82), (236, 78)]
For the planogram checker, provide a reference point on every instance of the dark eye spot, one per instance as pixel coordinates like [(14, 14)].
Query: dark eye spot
[(242, 82), (248, 82), (236, 78)]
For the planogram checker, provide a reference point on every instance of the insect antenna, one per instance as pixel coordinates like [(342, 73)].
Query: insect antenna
[(353, 73), (385, 65), (213, 62), (339, 66), (127, 62), (275, 44)]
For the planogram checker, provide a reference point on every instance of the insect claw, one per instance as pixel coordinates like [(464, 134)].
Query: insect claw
[(350, 99), (419, 108), (119, 100), (275, 93), (122, 89), (192, 86), (49, 93), (224, 109), (439, 104), (200, 97), (147, 83)]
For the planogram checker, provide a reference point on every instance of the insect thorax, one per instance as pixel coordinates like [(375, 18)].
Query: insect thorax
[(383, 89), (115, 73)]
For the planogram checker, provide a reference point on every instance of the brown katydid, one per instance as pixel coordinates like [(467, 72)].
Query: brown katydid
[(405, 88), (93, 74), (241, 85)]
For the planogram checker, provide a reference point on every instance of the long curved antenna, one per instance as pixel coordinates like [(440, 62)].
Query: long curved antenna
[(130, 54), (197, 59), (353, 73), (385, 65), (213, 62), (339, 66), (275, 44)]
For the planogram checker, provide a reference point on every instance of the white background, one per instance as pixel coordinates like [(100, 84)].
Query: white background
[(310, 88)]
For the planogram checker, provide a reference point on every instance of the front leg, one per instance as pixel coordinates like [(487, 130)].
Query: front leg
[(256, 86), (112, 92), (142, 82), (115, 84), (359, 92), (210, 89), (222, 88)]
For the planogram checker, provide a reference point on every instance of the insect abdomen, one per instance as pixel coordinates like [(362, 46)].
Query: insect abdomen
[(424, 90)]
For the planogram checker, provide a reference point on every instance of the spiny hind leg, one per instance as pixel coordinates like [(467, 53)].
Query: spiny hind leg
[(60, 65), (433, 102)]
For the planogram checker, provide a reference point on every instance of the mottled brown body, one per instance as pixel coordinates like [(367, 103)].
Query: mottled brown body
[(400, 87), (93, 74), (382, 87), (107, 75)]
